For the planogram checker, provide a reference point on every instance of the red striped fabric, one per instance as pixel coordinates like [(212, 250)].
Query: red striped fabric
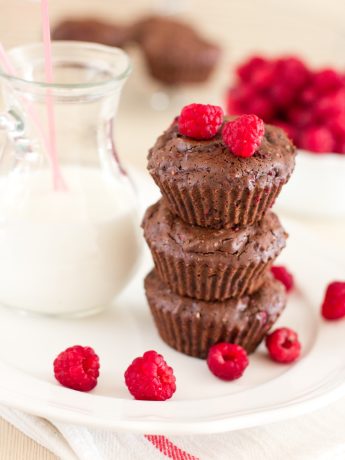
[(168, 448)]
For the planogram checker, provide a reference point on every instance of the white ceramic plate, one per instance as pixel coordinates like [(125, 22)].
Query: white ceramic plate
[(202, 404)]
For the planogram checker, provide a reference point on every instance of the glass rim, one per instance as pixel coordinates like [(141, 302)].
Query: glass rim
[(109, 50)]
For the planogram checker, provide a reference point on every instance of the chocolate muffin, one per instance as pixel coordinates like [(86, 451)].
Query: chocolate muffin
[(174, 52), (93, 30), (206, 185), (211, 264), (193, 326)]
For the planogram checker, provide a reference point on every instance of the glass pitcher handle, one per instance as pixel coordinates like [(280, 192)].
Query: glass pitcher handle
[(14, 126)]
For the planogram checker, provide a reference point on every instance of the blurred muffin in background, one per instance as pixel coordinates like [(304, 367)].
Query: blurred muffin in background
[(174, 52), (93, 30)]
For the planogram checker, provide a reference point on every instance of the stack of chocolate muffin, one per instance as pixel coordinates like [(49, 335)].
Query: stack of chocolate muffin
[(213, 239)]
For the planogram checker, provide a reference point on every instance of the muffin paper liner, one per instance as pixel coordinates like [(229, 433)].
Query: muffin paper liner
[(193, 334), (214, 207), (202, 281)]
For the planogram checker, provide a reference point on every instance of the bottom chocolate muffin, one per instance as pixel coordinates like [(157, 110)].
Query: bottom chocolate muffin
[(193, 326)]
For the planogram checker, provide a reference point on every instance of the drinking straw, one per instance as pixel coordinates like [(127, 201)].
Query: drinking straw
[(10, 70), (48, 65)]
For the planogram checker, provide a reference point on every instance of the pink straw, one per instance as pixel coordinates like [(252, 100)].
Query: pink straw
[(57, 178)]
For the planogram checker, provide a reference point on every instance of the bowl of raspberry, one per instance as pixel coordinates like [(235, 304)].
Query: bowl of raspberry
[(310, 105)]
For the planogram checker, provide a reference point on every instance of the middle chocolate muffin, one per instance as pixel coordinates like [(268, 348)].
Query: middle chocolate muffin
[(209, 264)]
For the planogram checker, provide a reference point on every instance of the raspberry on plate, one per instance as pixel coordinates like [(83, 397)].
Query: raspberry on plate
[(200, 121), (283, 345), (284, 276), (77, 367), (333, 306), (150, 378), (243, 135), (227, 361)]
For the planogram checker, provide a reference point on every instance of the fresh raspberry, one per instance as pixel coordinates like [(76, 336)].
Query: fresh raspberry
[(150, 378), (284, 276), (287, 127), (292, 71), (308, 95), (283, 345), (246, 70), (200, 121), (284, 89), (227, 361), (243, 135), (263, 78), (337, 126), (239, 97), (282, 95), (326, 80), (261, 106), (317, 139), (330, 105), (300, 116), (340, 146), (77, 367), (333, 306)]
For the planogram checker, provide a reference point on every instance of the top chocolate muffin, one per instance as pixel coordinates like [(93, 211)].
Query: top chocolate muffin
[(207, 185)]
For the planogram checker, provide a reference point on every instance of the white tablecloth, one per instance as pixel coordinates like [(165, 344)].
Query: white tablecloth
[(317, 436)]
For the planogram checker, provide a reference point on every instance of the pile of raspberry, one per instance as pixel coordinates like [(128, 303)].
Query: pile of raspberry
[(309, 104)]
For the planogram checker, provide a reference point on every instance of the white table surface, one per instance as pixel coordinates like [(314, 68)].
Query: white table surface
[(311, 28)]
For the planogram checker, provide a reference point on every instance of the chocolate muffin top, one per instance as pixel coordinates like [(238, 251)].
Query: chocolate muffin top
[(270, 299), (151, 25), (239, 246), (201, 161), (93, 30)]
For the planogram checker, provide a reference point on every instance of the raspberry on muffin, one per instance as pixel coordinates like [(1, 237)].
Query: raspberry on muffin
[(200, 121), (243, 135)]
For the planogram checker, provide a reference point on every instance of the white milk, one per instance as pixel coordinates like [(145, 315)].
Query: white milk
[(65, 252)]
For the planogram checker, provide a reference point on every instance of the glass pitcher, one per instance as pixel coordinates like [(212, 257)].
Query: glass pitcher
[(68, 244)]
